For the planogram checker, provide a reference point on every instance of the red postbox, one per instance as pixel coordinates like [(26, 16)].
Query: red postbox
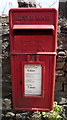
[(33, 38)]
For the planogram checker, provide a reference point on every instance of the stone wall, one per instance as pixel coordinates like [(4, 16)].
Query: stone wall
[(61, 69), (63, 9)]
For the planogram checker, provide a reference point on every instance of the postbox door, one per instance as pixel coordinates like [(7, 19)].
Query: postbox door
[(33, 91), (32, 62)]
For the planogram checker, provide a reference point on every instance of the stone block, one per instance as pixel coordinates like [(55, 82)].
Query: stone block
[(59, 73), (58, 86), (65, 86), (60, 97), (60, 65), (6, 67), (61, 53), (60, 79), (6, 103), (18, 116), (65, 67), (5, 19), (6, 89), (0, 47), (10, 114), (61, 58), (65, 108), (6, 78), (65, 76)]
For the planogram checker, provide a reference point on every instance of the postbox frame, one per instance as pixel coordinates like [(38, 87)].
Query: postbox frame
[(14, 54)]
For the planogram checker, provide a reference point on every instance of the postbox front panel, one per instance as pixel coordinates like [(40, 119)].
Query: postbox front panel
[(36, 28), (33, 41), (33, 57), (32, 82)]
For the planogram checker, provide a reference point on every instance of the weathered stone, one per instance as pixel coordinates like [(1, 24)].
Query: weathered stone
[(58, 86), (60, 94), (6, 69), (4, 24), (18, 116), (2, 115), (36, 116), (60, 97), (63, 100), (61, 53), (27, 3), (59, 28), (65, 86), (60, 47), (5, 45), (61, 58), (0, 103), (65, 112), (65, 76), (10, 114), (59, 73), (6, 78), (4, 19), (5, 32), (6, 90), (6, 104), (60, 79), (65, 67), (7, 115), (60, 65)]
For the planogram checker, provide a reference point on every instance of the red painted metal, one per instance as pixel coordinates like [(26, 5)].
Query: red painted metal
[(47, 27), (33, 40)]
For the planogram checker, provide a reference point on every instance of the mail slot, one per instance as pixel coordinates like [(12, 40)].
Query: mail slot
[(33, 38)]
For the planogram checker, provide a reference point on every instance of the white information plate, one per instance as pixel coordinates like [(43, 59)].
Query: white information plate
[(32, 79)]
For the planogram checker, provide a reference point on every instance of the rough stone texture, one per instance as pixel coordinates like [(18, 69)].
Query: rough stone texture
[(36, 116), (61, 72), (6, 104), (61, 69), (63, 9), (27, 3), (10, 114)]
